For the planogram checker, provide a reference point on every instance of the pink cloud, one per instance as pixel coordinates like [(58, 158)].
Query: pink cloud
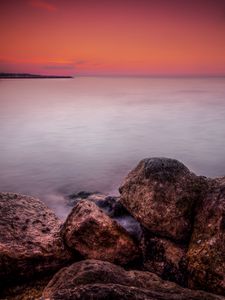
[(42, 4)]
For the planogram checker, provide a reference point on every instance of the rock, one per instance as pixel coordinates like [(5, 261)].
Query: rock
[(115, 210), (206, 254), (161, 194), (164, 258), (112, 206), (30, 290), (30, 242), (95, 235), (93, 279)]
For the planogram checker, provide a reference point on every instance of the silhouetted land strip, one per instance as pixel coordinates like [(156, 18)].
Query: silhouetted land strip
[(27, 76)]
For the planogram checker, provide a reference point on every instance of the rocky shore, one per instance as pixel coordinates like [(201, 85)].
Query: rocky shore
[(162, 238)]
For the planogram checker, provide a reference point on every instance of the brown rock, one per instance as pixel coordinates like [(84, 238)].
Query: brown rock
[(30, 242), (112, 206), (92, 279), (164, 258), (206, 253), (95, 235), (161, 194)]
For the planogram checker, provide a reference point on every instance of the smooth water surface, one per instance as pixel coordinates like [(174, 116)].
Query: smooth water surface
[(59, 136)]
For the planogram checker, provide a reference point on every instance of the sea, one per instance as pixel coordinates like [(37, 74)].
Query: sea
[(63, 136)]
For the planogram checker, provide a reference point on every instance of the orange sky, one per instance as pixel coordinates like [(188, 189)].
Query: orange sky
[(121, 37)]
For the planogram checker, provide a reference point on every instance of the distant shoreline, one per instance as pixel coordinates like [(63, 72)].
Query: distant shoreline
[(30, 76), (39, 76)]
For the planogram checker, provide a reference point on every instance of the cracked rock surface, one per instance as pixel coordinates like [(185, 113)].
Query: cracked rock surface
[(30, 240)]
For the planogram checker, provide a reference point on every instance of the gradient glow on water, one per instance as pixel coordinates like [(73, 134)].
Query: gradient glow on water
[(59, 136)]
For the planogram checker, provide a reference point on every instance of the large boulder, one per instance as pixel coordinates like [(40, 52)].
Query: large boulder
[(161, 194), (95, 235), (164, 258), (30, 241), (206, 254), (93, 279)]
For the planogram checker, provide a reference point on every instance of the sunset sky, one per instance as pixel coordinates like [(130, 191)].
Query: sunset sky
[(117, 37)]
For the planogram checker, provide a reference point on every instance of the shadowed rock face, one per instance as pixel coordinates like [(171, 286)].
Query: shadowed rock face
[(95, 235), (161, 194), (30, 242), (164, 258), (92, 279), (206, 254)]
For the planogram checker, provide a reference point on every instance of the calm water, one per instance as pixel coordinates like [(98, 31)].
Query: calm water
[(59, 136)]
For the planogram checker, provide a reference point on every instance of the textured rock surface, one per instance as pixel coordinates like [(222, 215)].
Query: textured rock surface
[(95, 235), (30, 242), (92, 279), (182, 240), (112, 206), (206, 253), (161, 194), (164, 258)]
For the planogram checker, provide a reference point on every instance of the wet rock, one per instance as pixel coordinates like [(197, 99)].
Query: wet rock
[(206, 254), (95, 235), (164, 258), (161, 194), (30, 242), (93, 279)]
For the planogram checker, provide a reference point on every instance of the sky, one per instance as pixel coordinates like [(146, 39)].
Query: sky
[(117, 37)]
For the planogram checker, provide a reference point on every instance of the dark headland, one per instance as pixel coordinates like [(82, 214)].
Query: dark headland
[(27, 76)]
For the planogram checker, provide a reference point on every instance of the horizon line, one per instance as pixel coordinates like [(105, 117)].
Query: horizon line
[(182, 75), (153, 76)]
